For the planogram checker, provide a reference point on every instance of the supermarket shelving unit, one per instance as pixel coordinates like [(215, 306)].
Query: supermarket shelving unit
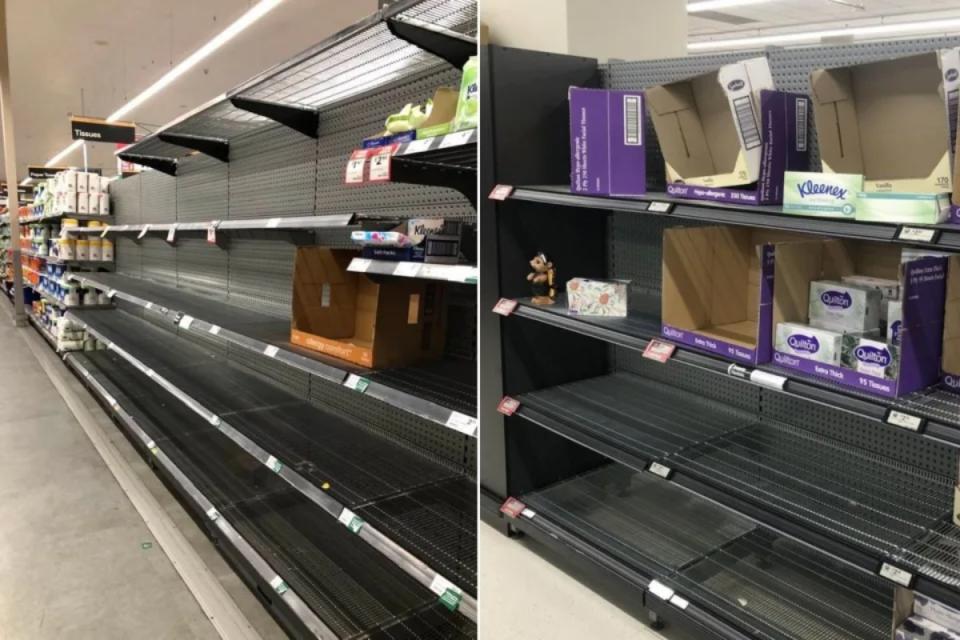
[(743, 502), (345, 497)]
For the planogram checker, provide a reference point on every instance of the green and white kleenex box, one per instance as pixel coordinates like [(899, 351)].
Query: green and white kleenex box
[(903, 208), (827, 195)]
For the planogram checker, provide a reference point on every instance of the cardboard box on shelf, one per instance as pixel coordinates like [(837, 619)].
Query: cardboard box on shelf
[(390, 322), (717, 292), (607, 153), (889, 120), (903, 208), (907, 367)]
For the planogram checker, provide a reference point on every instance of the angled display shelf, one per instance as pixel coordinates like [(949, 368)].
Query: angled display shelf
[(326, 581), (446, 398), (315, 453)]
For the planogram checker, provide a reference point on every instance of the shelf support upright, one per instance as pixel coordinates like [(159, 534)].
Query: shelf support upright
[(10, 159)]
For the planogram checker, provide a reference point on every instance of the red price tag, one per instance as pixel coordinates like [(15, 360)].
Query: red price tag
[(505, 306), (659, 351), (508, 406), (211, 235), (512, 507), (356, 166), (501, 192), (380, 163)]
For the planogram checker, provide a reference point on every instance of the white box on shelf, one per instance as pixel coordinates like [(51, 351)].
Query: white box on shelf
[(82, 181)]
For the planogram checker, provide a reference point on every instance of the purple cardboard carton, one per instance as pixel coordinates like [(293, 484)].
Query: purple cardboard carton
[(783, 118), (607, 155), (910, 366)]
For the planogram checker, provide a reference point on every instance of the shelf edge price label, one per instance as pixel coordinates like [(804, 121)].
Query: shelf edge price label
[(456, 139), (505, 306), (106, 230), (360, 265), (450, 594), (351, 520), (273, 464), (918, 234), (380, 163), (659, 350), (659, 207), (144, 231), (185, 322), (212, 232), (273, 223), (508, 406), (357, 383), (661, 470), (213, 514), (152, 447), (896, 574), (418, 146), (278, 585), (766, 379), (680, 603), (172, 233), (214, 329), (271, 351), (904, 420), (356, 167), (660, 590), (407, 269), (463, 423), (501, 192), (512, 507)]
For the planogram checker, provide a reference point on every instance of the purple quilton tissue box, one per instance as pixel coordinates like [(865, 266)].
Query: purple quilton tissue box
[(607, 155)]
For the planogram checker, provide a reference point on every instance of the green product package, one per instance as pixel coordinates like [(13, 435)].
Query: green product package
[(468, 104), (828, 195), (904, 208)]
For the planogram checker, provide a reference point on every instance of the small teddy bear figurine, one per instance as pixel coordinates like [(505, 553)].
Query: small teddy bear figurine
[(542, 280)]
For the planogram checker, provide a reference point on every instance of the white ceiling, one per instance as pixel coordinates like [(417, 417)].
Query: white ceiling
[(110, 50), (786, 14)]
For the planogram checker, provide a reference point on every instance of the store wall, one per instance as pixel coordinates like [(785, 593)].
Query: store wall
[(622, 29)]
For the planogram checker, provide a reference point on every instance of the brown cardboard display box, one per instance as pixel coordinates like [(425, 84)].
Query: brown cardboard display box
[(709, 126), (718, 289), (888, 121), (391, 322)]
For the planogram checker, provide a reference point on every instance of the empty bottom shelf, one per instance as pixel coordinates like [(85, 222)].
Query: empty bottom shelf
[(770, 586)]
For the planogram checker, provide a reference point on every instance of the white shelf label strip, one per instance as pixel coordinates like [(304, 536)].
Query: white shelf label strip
[(896, 574), (441, 585), (904, 420), (462, 423), (660, 590), (661, 470)]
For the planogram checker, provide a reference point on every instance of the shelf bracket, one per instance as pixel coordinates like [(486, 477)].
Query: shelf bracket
[(453, 47), (302, 119), (218, 148), (163, 165), (434, 174)]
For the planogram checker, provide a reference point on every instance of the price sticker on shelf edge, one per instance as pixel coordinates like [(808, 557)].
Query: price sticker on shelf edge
[(271, 351), (172, 233), (185, 322), (357, 383), (508, 406), (680, 603), (766, 379), (214, 329), (660, 590), (896, 574), (273, 464), (463, 423), (213, 514), (917, 234), (356, 166), (144, 231), (418, 146), (212, 232), (152, 447), (505, 306), (407, 269), (456, 139), (380, 163), (659, 350), (661, 470), (512, 508), (659, 207), (360, 265), (106, 230), (273, 223), (904, 420), (501, 192), (278, 585), (351, 520), (450, 594)]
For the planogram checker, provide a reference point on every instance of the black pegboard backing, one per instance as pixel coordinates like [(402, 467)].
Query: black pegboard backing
[(707, 384), (125, 200), (261, 275), (158, 260), (918, 453), (272, 173), (158, 197), (126, 254), (292, 380), (462, 322), (201, 189), (201, 267), (342, 129), (441, 444)]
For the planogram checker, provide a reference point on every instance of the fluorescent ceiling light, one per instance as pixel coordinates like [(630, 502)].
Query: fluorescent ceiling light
[(712, 5), (255, 12), (893, 29)]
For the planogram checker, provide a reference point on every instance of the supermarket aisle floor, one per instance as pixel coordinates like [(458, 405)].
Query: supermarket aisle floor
[(531, 599), (76, 558)]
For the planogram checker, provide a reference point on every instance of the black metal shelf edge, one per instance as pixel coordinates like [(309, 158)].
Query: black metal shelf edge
[(636, 332), (731, 458), (770, 217), (266, 335), (788, 598), (311, 467)]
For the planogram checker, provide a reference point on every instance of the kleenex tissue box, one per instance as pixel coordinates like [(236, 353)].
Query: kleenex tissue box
[(828, 195), (810, 343), (840, 307), (587, 297)]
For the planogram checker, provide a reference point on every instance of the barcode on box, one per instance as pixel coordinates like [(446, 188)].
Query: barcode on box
[(953, 97), (747, 122), (631, 121), (801, 124)]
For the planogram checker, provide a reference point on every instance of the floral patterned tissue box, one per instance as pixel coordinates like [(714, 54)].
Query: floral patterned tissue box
[(587, 297)]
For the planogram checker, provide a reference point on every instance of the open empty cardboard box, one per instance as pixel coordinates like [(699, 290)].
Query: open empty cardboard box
[(389, 323), (922, 295), (709, 126), (718, 290), (889, 121)]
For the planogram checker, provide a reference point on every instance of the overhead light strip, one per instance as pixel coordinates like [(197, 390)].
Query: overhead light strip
[(252, 15), (807, 37), (713, 5)]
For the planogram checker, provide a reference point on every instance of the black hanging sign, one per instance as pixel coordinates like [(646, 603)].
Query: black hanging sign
[(39, 172), (99, 130)]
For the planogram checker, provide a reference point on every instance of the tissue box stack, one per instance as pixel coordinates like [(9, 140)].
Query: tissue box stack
[(931, 620)]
